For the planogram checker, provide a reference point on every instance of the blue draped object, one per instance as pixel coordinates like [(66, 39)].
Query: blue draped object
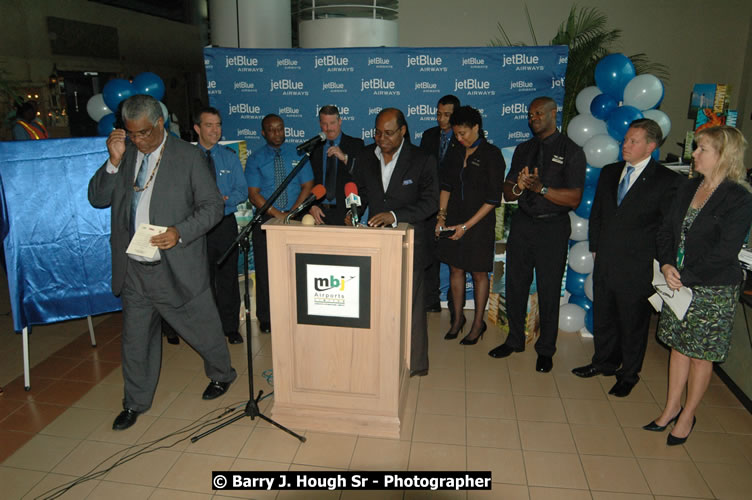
[(57, 248)]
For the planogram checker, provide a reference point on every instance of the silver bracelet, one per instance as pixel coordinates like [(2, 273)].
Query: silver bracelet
[(515, 192), (464, 228)]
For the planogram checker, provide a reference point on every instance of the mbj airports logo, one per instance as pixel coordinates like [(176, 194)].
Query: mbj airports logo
[(522, 62), (211, 88), (425, 111), (380, 62), (333, 63), (473, 86), (243, 86), (426, 63), (288, 87), (243, 63), (288, 63), (475, 62), (333, 290), (379, 86)]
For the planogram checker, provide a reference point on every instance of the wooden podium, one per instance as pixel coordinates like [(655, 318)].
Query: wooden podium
[(334, 372)]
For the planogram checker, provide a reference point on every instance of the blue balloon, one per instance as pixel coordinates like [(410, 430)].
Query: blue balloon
[(589, 320), (149, 84), (656, 154), (115, 91), (619, 119), (602, 105), (106, 124), (581, 301), (592, 174), (613, 73), (586, 204), (575, 283)]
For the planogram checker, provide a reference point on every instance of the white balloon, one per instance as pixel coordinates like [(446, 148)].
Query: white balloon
[(580, 258), (589, 287), (643, 92), (582, 127), (579, 227), (660, 118), (571, 317), (97, 108), (601, 150), (165, 114), (584, 98)]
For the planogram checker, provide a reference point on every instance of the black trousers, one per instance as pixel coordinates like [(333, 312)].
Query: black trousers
[(621, 320), (432, 279), (261, 265), (540, 245), (223, 278)]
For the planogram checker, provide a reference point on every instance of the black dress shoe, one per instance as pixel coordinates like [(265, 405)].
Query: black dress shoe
[(468, 341), (234, 337), (672, 440), (588, 371), (419, 373), (173, 340), (502, 351), (215, 389), (126, 418), (621, 389), (652, 426), (544, 364), (453, 332), (265, 327), (434, 308)]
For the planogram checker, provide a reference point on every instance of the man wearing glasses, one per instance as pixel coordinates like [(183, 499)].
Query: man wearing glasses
[(159, 179), (398, 182)]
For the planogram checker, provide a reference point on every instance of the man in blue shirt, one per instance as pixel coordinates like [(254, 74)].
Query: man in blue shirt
[(264, 172), (232, 186)]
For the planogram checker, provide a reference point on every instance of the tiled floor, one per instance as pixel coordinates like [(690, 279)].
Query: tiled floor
[(543, 436)]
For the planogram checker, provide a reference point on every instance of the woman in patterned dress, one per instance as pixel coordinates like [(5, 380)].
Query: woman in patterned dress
[(698, 245)]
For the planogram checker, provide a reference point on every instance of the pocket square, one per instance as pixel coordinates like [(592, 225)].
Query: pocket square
[(407, 182)]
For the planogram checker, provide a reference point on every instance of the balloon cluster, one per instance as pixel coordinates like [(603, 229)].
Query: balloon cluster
[(100, 107), (605, 112)]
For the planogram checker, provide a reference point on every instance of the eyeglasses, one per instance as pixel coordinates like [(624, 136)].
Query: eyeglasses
[(140, 135), (388, 133)]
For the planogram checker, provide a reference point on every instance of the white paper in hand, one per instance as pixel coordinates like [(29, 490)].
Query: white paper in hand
[(678, 300), (141, 242)]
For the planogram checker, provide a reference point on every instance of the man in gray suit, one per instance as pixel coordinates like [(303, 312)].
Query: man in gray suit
[(161, 180)]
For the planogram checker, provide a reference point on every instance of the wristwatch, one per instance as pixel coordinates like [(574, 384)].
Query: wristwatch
[(543, 191)]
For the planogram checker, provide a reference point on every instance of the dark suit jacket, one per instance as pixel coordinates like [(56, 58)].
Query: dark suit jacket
[(351, 146), (713, 241), (624, 236), (412, 194), (430, 142), (184, 195)]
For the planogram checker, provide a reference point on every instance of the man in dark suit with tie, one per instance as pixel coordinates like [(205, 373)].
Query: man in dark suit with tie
[(397, 182), (438, 141), (161, 180), (630, 202), (333, 163)]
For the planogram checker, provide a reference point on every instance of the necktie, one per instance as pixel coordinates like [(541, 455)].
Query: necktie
[(279, 177), (330, 180), (624, 185), (212, 169), (140, 180), (443, 146)]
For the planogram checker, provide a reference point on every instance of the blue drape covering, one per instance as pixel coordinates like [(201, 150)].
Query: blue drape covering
[(57, 249)]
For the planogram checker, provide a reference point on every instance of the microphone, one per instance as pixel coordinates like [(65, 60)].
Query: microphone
[(352, 201), (317, 193), (311, 143)]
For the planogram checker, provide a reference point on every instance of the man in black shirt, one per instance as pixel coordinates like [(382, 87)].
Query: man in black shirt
[(547, 177)]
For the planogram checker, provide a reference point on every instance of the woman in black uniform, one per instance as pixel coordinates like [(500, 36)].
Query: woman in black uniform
[(471, 188)]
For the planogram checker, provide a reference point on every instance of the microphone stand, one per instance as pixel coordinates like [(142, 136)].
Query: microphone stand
[(243, 241)]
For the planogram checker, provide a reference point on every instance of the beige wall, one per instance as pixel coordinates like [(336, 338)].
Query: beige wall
[(699, 41)]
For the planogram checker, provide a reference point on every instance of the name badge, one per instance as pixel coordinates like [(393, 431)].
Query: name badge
[(407, 182), (557, 159)]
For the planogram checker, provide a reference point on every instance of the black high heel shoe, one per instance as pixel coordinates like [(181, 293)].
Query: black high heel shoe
[(652, 426), (468, 341), (672, 440), (451, 335)]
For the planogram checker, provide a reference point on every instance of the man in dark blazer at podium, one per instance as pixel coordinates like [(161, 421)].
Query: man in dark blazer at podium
[(631, 200), (398, 183), (333, 162), (438, 141), (159, 179)]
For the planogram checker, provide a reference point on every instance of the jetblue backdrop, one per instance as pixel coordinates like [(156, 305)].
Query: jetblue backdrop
[(246, 84)]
